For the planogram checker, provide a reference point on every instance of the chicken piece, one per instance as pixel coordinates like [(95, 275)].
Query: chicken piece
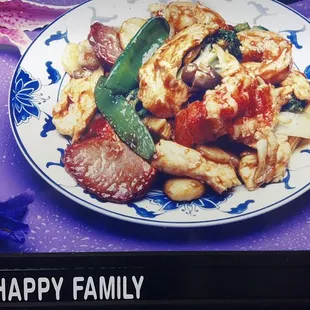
[(296, 83), (269, 163), (267, 54), (76, 106), (256, 171), (184, 14), (161, 92), (175, 159), (158, 127)]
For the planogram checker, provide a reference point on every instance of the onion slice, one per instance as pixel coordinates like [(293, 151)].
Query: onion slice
[(294, 125)]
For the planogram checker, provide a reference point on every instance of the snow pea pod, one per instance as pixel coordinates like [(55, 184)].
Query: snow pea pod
[(110, 93), (124, 75), (126, 122)]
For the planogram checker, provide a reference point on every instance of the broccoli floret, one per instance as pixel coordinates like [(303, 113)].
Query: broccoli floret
[(228, 40), (209, 58), (134, 101), (241, 27), (294, 105), (259, 27)]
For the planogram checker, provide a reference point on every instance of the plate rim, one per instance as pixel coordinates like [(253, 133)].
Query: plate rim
[(128, 218)]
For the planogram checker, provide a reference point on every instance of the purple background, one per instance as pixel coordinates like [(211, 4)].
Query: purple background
[(59, 225)]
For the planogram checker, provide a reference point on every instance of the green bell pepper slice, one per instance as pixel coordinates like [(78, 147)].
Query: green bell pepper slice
[(110, 93)]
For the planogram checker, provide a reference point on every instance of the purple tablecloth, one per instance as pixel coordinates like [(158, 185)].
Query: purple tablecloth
[(59, 225)]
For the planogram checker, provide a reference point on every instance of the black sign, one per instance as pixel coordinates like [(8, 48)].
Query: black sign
[(145, 279)]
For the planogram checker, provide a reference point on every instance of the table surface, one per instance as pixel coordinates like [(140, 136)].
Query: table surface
[(59, 225)]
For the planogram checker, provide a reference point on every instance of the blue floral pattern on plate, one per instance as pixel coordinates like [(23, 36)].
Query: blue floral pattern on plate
[(207, 202), (57, 37), (24, 100), (292, 36)]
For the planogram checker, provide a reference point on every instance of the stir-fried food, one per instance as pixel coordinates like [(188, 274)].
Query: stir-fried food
[(183, 101)]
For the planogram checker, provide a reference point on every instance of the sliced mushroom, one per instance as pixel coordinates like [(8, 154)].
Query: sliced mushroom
[(200, 78), (192, 55)]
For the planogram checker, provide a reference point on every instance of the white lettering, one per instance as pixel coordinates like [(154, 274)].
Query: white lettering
[(14, 290), (137, 285), (43, 287), (118, 288), (57, 286), (2, 288), (29, 287), (125, 294), (107, 290), (90, 289), (77, 287)]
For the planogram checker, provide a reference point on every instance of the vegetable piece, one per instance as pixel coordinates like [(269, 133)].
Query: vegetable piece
[(70, 58), (209, 58), (218, 155), (200, 78), (81, 73), (294, 125), (158, 127), (128, 30), (242, 27), (259, 27), (228, 40), (294, 105), (105, 43), (124, 78), (124, 121), (109, 169), (137, 104), (182, 189), (192, 55), (87, 57)]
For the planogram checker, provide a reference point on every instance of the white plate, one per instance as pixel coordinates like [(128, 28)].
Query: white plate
[(39, 78)]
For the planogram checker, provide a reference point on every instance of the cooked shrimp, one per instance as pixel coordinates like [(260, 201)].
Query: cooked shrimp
[(175, 159), (267, 54), (183, 14)]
